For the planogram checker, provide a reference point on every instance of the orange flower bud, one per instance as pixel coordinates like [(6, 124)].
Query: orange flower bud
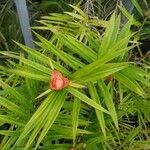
[(72, 148), (58, 82), (109, 78)]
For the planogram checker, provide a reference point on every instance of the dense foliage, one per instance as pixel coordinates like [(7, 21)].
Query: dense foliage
[(106, 104)]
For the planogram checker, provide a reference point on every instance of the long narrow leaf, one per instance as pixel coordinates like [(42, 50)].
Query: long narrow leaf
[(109, 101), (92, 72), (131, 84), (43, 58), (11, 106), (75, 117), (15, 94), (100, 115), (85, 99), (52, 115)]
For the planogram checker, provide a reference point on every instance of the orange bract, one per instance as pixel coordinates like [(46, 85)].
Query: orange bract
[(58, 82)]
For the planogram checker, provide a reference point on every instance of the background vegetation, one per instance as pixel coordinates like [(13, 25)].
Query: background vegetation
[(102, 50)]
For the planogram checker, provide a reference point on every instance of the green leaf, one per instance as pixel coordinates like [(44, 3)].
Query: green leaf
[(33, 87), (7, 132), (96, 71), (9, 142), (129, 83), (78, 47), (43, 118), (75, 15), (137, 74), (125, 33), (28, 62), (116, 51), (138, 7), (26, 72), (67, 130), (12, 106), (37, 118), (131, 136), (98, 22), (109, 101), (82, 13), (44, 93), (75, 117), (110, 36), (85, 99), (128, 15), (6, 119), (52, 115), (99, 114), (57, 17), (43, 58), (15, 94), (140, 71), (68, 59)]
